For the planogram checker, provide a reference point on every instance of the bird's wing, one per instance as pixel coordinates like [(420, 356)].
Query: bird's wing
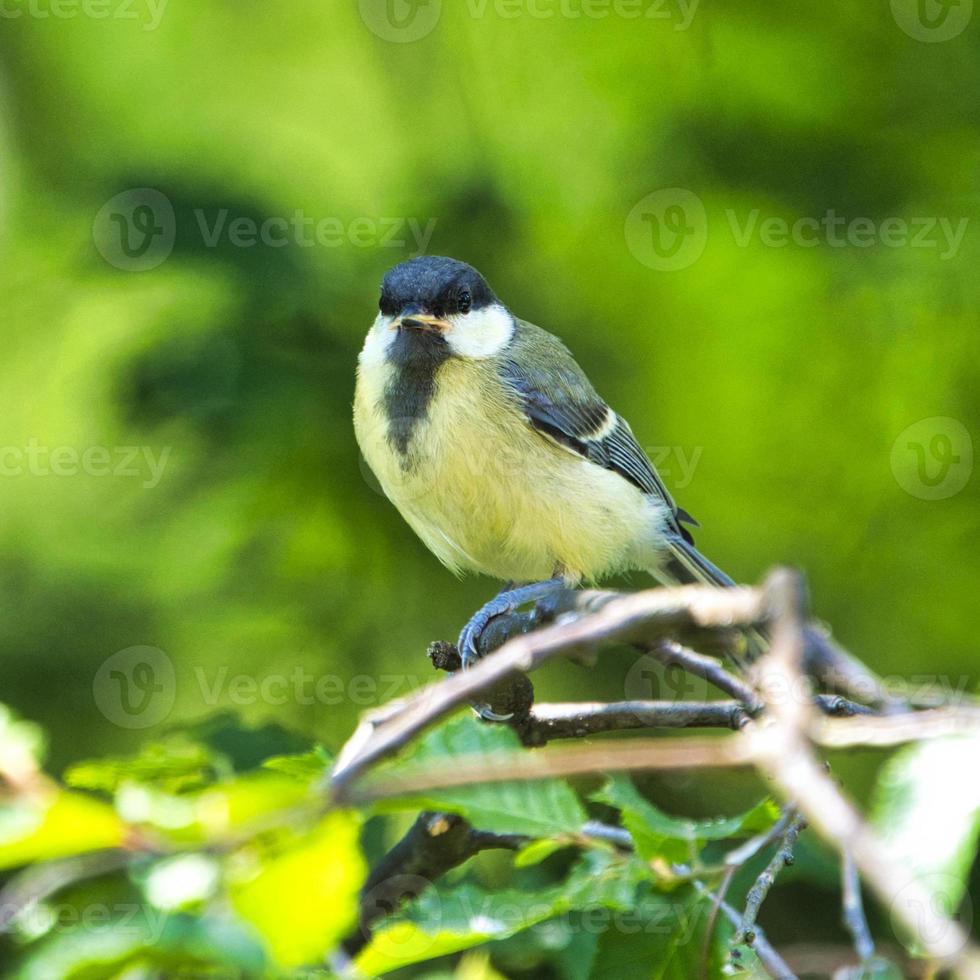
[(560, 403)]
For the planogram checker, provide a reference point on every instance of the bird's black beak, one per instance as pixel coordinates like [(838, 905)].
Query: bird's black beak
[(414, 318)]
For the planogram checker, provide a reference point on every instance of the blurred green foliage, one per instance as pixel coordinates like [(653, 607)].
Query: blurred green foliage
[(263, 562), (787, 373)]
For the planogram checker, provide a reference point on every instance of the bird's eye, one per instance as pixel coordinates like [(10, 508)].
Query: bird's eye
[(464, 301)]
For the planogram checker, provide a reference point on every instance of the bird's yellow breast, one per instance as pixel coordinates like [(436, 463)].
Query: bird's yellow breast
[(488, 493)]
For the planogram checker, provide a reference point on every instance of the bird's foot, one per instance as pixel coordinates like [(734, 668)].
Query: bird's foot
[(500, 605)]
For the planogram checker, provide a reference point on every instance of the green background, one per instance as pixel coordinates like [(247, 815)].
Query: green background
[(787, 372)]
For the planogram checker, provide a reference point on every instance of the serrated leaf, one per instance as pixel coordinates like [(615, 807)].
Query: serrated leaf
[(443, 921), (539, 808), (666, 941), (928, 814), (305, 899), (660, 836)]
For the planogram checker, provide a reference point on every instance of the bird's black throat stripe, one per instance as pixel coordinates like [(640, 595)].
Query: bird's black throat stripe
[(416, 356)]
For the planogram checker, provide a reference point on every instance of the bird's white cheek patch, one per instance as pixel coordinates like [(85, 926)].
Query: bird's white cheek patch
[(380, 337), (480, 334)]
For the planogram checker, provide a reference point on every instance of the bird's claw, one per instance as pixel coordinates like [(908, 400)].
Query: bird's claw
[(505, 602)]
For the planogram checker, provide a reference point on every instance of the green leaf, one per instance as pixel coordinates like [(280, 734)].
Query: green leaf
[(305, 899), (60, 825), (175, 764), (308, 766), (660, 836), (179, 943), (539, 808), (22, 746), (234, 806), (443, 921), (926, 808), (537, 851), (666, 941), (876, 969)]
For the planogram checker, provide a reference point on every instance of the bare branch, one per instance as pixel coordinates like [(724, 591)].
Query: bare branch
[(627, 618), (760, 890), (551, 721), (853, 908), (637, 754), (886, 730), (774, 964), (435, 844), (780, 745), (673, 653)]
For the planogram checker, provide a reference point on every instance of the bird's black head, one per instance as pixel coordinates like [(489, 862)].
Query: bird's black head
[(436, 286)]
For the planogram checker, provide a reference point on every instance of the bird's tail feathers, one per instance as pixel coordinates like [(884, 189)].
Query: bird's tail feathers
[(687, 566)]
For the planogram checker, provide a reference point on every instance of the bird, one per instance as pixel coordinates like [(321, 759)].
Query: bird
[(492, 443)]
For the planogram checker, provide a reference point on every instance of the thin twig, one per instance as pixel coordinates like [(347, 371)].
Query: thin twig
[(745, 852), (760, 890), (673, 653), (436, 843), (853, 909), (781, 747), (886, 730), (773, 963), (551, 721), (627, 618), (637, 755)]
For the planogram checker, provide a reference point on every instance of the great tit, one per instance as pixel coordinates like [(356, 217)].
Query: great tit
[(494, 446)]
